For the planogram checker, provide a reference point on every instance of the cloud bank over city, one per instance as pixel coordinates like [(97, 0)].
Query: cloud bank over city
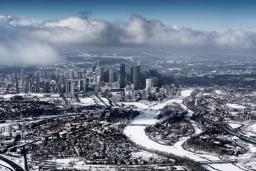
[(28, 42)]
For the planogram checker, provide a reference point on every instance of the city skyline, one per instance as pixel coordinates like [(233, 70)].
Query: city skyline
[(127, 85)]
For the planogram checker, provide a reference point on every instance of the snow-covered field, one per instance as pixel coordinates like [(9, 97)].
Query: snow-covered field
[(219, 92), (223, 167), (145, 118), (136, 132), (234, 125), (144, 155), (235, 106), (4, 166), (92, 100), (87, 101), (186, 92), (251, 128)]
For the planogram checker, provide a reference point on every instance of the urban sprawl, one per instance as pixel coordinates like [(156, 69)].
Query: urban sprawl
[(129, 113)]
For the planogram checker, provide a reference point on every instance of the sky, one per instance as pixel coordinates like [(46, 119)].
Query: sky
[(37, 32), (196, 14)]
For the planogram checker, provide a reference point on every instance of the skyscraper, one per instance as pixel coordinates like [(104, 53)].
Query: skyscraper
[(82, 84), (69, 88), (122, 75), (136, 77), (149, 83), (111, 76), (131, 75), (98, 73)]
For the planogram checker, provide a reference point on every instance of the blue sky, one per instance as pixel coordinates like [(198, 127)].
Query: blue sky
[(196, 14)]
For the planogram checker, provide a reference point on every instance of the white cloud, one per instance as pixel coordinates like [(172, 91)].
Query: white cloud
[(43, 40), (73, 31), (151, 32), (236, 39), (27, 52)]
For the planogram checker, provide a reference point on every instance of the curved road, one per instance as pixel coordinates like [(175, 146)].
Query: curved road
[(14, 166)]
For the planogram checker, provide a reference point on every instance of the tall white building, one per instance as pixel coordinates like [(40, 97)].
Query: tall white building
[(149, 83)]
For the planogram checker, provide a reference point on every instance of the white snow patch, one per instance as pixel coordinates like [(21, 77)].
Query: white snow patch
[(186, 93), (145, 118), (138, 105), (8, 96), (161, 105), (4, 165), (219, 92), (87, 101), (235, 106), (234, 125), (226, 167), (251, 128), (144, 155), (174, 69)]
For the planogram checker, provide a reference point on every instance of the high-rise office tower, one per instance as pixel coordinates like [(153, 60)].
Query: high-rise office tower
[(136, 77), (84, 72), (82, 85), (70, 74), (17, 83), (80, 75), (149, 83), (69, 88), (98, 73), (111, 76), (131, 75), (122, 75)]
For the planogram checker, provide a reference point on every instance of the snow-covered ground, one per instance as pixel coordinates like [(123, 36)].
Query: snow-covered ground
[(157, 106), (4, 166), (145, 118), (186, 92), (87, 101), (234, 125), (145, 155), (235, 106), (222, 167), (138, 105), (219, 92), (136, 132), (251, 128), (7, 167), (92, 100)]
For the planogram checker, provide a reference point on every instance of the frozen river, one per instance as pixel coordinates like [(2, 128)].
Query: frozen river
[(136, 133)]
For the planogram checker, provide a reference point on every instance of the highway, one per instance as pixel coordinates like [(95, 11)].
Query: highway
[(231, 131)]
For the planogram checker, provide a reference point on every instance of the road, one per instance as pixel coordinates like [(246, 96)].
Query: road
[(14, 166), (231, 131)]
